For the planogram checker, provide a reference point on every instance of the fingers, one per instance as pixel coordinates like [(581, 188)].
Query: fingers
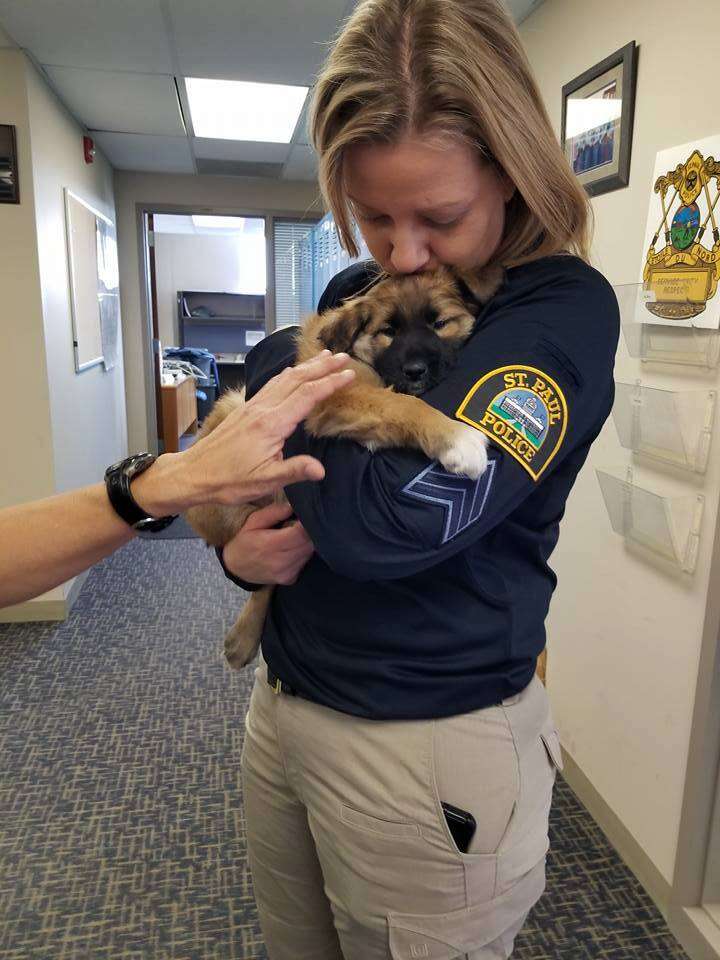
[(297, 407), (290, 540), (287, 383), (269, 516), (282, 473)]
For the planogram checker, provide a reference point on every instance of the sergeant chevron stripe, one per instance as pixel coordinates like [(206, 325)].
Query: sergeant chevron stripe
[(463, 499)]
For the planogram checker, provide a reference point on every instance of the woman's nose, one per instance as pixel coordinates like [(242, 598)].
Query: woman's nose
[(409, 253)]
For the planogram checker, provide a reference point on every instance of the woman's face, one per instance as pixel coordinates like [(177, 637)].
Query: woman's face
[(422, 203)]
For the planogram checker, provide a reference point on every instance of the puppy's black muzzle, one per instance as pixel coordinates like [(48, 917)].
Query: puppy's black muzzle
[(415, 362)]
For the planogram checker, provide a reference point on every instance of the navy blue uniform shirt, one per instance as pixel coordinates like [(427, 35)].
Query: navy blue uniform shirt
[(428, 592)]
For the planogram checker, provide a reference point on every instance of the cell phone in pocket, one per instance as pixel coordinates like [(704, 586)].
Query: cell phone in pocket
[(462, 826)]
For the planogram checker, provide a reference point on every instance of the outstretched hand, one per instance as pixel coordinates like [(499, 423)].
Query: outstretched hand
[(242, 458)]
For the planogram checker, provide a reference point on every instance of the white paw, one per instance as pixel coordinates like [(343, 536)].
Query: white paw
[(467, 453)]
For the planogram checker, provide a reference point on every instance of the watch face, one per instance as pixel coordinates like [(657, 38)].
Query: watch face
[(137, 463)]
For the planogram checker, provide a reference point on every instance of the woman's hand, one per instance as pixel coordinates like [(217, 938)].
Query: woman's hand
[(260, 554), (241, 460)]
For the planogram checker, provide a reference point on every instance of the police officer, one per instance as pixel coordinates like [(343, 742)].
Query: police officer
[(400, 753)]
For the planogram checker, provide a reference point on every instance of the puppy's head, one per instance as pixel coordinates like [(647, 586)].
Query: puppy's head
[(410, 328)]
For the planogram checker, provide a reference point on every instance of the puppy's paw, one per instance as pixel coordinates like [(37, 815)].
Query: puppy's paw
[(467, 453), (240, 648)]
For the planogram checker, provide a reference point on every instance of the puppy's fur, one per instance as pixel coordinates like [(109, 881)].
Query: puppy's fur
[(403, 335)]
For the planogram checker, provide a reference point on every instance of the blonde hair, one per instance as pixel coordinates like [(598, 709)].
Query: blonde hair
[(448, 67)]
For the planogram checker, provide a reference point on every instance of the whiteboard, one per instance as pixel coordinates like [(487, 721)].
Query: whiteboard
[(93, 273)]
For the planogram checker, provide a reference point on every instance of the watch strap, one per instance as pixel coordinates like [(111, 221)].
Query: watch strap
[(118, 478)]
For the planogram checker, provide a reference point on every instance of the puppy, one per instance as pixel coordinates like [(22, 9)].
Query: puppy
[(404, 335)]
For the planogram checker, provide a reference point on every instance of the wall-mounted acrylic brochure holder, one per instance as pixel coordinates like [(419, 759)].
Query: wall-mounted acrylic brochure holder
[(665, 339), (668, 526), (668, 425)]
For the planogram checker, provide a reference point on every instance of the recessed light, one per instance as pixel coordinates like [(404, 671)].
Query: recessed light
[(236, 110)]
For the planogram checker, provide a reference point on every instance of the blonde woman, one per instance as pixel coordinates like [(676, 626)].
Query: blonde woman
[(400, 753)]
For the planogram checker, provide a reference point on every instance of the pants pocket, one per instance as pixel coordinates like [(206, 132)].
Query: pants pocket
[(551, 739), (449, 936), (383, 828), (475, 767)]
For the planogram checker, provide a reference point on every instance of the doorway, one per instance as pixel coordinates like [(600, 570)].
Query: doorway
[(207, 278)]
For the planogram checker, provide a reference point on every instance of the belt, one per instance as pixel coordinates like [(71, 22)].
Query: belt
[(279, 686)]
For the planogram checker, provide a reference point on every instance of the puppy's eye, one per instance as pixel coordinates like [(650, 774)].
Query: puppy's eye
[(387, 331), (439, 324)]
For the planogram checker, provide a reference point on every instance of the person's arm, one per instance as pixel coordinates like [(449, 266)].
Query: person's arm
[(393, 514), (46, 542)]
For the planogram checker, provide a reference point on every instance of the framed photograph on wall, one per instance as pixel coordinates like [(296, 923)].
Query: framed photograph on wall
[(597, 121), (9, 188)]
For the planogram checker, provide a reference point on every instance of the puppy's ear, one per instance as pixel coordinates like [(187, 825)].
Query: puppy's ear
[(479, 285), (344, 326)]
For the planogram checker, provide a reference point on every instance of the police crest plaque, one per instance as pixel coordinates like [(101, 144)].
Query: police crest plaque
[(682, 262)]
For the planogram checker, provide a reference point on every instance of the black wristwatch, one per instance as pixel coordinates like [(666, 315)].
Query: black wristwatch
[(118, 478)]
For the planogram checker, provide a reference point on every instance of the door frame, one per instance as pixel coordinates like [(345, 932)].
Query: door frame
[(144, 208), (698, 838)]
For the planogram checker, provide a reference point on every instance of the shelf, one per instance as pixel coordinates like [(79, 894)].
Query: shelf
[(254, 321), (666, 526), (678, 339), (674, 427)]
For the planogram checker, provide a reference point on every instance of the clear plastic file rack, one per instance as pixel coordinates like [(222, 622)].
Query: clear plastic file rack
[(672, 426), (667, 526), (659, 339)]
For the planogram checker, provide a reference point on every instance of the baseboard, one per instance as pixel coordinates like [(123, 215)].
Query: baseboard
[(34, 611), (632, 854), (696, 932)]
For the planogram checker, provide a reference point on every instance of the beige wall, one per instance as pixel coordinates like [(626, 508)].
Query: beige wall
[(27, 469), (61, 429), (88, 408), (179, 193), (624, 633)]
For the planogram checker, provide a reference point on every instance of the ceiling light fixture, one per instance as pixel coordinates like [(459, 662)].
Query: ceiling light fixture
[(236, 110)]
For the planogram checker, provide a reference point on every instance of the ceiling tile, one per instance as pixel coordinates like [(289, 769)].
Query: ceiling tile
[(121, 102), (259, 41), (102, 34), (240, 150), (521, 9), (130, 151), (301, 164)]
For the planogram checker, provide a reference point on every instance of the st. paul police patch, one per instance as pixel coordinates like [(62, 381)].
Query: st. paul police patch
[(523, 410)]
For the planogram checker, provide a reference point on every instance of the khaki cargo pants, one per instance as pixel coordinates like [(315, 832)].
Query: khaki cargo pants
[(350, 853)]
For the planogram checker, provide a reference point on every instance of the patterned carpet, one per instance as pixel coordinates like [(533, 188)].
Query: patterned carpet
[(121, 827)]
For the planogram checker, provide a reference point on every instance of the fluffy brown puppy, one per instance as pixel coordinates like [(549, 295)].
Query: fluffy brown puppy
[(403, 335)]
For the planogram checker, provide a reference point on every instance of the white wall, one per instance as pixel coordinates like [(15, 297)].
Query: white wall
[(624, 633), (178, 192), (186, 261)]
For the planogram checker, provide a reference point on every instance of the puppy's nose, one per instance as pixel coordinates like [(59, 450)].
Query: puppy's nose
[(415, 369)]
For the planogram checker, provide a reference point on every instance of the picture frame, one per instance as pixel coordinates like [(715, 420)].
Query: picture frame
[(9, 186), (598, 108)]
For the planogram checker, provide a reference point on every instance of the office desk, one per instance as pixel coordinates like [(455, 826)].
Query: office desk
[(179, 412)]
